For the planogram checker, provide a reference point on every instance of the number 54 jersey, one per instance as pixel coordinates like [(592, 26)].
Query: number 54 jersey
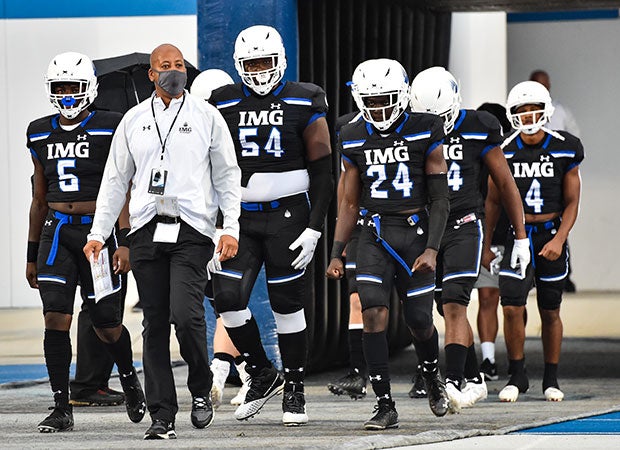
[(539, 170), (392, 165), (73, 161)]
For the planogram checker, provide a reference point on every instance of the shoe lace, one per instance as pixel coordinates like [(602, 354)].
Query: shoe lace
[(294, 401), (199, 403)]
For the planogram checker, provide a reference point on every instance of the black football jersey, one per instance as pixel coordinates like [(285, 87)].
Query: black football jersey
[(474, 134), (268, 131), (539, 170), (392, 166), (73, 161)]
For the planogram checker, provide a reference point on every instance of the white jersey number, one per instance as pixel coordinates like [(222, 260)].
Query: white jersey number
[(455, 181), (401, 181), (533, 198), (273, 145), (67, 182)]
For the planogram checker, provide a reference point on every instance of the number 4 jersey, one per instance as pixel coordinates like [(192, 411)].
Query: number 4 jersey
[(392, 165), (539, 170), (73, 161)]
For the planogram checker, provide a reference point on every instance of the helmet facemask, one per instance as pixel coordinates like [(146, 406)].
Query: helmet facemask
[(518, 123), (529, 93), (263, 81)]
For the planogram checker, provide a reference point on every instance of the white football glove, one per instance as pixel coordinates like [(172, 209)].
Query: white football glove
[(307, 240), (520, 255), (214, 265)]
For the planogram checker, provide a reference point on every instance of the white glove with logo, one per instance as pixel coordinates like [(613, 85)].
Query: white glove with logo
[(214, 265), (520, 255), (307, 240)]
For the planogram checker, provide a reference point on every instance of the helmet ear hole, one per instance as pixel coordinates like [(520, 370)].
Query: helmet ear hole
[(71, 68)]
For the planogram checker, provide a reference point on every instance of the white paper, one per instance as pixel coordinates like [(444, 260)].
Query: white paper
[(102, 275), (166, 232)]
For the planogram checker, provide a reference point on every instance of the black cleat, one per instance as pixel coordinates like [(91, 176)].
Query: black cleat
[(294, 409), (202, 412), (352, 384), (160, 429), (267, 383), (134, 397), (437, 396), (489, 370), (418, 390), (101, 397), (385, 417), (61, 419)]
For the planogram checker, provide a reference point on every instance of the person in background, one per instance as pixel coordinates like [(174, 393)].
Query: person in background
[(69, 152), (472, 142), (224, 352), (176, 153), (545, 166)]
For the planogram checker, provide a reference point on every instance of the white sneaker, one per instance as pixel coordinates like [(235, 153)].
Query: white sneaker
[(245, 380), (220, 371), (510, 393), (454, 397), (554, 394), (474, 392)]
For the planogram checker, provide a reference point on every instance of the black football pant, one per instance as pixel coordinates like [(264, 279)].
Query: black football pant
[(171, 279)]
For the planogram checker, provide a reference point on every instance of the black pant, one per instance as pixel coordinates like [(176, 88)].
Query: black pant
[(171, 279), (93, 363)]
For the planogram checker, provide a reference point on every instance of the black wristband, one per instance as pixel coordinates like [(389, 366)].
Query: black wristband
[(337, 249), (121, 237), (32, 252)]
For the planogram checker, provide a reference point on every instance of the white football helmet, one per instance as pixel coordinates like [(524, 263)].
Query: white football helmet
[(436, 91), (208, 81), (381, 77), (529, 93), (256, 42), (71, 67)]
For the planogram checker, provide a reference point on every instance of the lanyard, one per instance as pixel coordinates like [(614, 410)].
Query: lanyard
[(163, 143)]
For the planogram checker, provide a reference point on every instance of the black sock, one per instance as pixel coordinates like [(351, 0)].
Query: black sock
[(247, 340), (238, 360), (455, 362), (356, 351), (550, 379), (376, 352), (224, 357), (57, 350), (293, 349), (472, 369), (428, 351), (121, 352), (518, 376)]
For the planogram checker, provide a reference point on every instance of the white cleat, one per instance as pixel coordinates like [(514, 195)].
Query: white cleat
[(455, 399), (554, 394), (474, 392), (510, 393), (220, 370), (245, 379)]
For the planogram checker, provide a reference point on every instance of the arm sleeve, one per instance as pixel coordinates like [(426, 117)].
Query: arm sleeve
[(119, 170), (225, 174), (321, 190), (439, 208)]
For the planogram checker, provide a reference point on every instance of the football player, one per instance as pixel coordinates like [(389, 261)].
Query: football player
[(545, 166), (283, 148), (472, 140), (394, 165), (69, 152)]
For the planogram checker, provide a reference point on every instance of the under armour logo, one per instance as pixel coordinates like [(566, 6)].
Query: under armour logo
[(81, 137), (545, 158), (146, 127), (275, 106), (398, 143), (455, 140), (375, 378), (48, 223)]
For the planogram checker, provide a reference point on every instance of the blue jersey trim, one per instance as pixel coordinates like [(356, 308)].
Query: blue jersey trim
[(349, 160), (572, 166), (278, 89), (400, 127), (433, 146), (55, 121), (547, 141), (487, 149), (33, 153), (460, 119), (519, 143), (315, 117), (369, 128)]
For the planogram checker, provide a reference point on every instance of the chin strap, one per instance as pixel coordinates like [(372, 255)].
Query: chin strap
[(512, 137)]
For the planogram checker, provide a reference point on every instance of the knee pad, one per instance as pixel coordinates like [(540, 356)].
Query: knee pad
[(290, 323), (106, 313), (458, 290), (438, 302), (235, 319), (373, 294), (419, 312), (549, 295)]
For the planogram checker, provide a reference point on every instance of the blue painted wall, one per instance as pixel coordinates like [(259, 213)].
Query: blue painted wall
[(220, 21), (38, 9)]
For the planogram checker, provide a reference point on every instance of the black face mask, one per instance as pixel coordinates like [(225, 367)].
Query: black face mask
[(172, 81)]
